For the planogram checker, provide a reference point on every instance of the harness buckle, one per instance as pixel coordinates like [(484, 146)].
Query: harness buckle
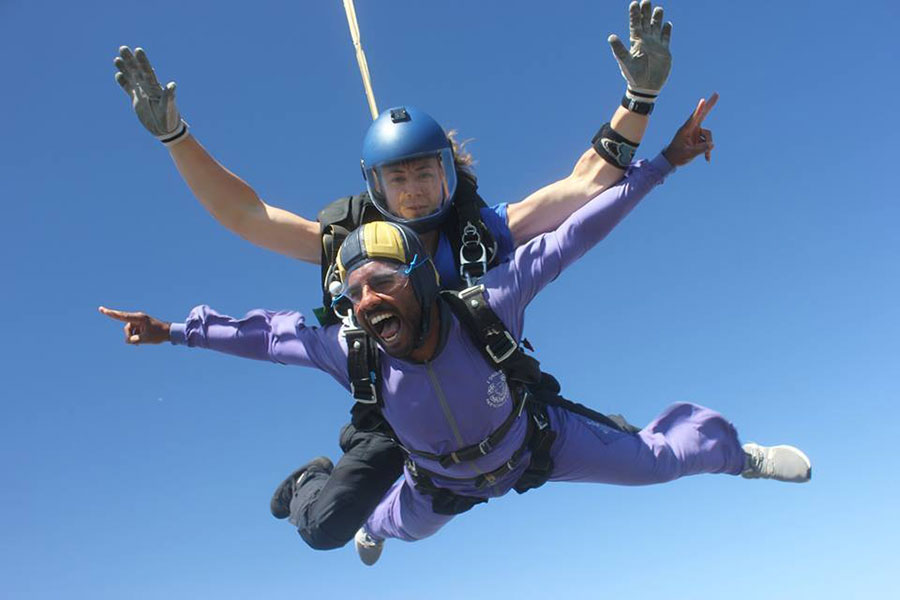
[(472, 255), (541, 420), (485, 447), (372, 395), (513, 346)]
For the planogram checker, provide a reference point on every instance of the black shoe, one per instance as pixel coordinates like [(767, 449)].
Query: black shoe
[(280, 505)]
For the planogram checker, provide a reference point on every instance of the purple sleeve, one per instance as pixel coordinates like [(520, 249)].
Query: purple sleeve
[(511, 286), (280, 337)]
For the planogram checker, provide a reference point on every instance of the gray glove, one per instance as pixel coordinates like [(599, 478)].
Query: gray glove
[(154, 104), (646, 65)]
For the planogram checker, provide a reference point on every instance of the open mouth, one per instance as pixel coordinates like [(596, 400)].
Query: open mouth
[(386, 325)]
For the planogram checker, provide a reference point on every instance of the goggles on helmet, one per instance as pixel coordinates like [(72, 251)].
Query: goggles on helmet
[(381, 277)]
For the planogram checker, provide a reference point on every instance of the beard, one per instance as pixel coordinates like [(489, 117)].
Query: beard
[(397, 332)]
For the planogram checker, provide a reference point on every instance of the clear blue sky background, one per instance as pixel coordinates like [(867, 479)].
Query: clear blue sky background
[(764, 285)]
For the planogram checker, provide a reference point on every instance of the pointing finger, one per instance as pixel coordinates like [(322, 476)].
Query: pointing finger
[(691, 122), (120, 315), (709, 105), (696, 117)]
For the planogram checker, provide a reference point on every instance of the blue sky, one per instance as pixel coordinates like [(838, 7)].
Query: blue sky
[(764, 285)]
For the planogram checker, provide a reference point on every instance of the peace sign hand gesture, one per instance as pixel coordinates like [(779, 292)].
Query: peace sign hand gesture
[(153, 103), (692, 140), (140, 328)]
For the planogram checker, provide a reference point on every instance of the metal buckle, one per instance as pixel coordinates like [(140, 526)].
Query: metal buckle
[(372, 390), (513, 346), (476, 291), (540, 421), (485, 446), (472, 239)]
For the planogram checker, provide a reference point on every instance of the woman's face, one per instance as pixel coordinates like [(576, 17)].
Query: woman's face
[(414, 188)]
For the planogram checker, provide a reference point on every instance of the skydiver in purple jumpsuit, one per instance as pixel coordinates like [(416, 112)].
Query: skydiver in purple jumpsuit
[(431, 408)]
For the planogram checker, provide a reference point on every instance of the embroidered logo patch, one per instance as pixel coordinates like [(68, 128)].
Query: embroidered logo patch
[(498, 390)]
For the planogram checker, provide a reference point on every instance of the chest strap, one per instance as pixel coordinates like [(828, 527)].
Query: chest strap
[(485, 446), (538, 424)]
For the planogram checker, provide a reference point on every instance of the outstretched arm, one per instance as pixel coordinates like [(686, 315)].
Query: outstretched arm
[(590, 224), (541, 260), (235, 205), (280, 337), (225, 195), (645, 67)]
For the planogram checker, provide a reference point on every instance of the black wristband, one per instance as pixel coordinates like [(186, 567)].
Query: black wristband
[(613, 148), (641, 103), (641, 108)]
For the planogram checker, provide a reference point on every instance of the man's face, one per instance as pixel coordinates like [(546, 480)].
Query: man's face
[(389, 312), (414, 188)]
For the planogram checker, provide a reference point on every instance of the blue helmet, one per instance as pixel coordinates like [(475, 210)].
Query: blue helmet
[(408, 165)]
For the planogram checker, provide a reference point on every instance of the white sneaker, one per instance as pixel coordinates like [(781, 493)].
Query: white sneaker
[(368, 548), (782, 463)]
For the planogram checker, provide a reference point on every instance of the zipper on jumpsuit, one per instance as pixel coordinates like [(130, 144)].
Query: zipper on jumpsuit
[(449, 416)]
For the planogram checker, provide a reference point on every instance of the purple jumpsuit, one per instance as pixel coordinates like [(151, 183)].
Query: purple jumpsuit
[(432, 408)]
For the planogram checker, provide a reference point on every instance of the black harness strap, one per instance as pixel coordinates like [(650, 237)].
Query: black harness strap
[(500, 349), (549, 393), (538, 420), (536, 391), (443, 501), (363, 366), (336, 221), (485, 446), (491, 336), (540, 443), (472, 243)]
